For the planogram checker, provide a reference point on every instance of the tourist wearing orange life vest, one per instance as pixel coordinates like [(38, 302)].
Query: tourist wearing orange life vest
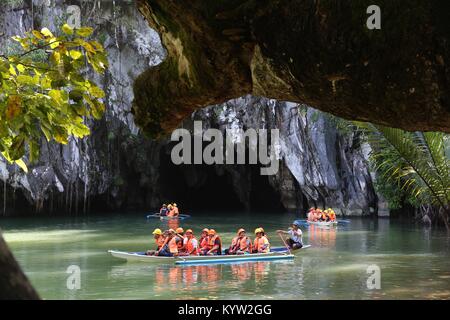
[(169, 210), (261, 243), (159, 241), (312, 214), (204, 241), (241, 244), (214, 243), (331, 214), (190, 244), (324, 216), (170, 247), (176, 212)]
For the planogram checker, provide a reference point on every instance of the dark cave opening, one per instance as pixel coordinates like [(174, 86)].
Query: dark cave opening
[(263, 197), (201, 187)]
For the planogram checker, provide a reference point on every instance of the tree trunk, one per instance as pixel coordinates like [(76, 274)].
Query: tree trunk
[(14, 285)]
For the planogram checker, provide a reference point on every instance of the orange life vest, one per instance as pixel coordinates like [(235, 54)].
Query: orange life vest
[(173, 247), (243, 244), (190, 247), (259, 243), (332, 216), (204, 243), (212, 241), (175, 211), (171, 213)]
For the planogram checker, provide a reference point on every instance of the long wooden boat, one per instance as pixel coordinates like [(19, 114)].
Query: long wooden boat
[(276, 253), (158, 216)]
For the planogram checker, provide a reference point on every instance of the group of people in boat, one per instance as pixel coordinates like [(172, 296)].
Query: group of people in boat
[(179, 242), (317, 214), (169, 210)]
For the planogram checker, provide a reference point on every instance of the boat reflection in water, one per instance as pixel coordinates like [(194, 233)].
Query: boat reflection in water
[(194, 280), (322, 237)]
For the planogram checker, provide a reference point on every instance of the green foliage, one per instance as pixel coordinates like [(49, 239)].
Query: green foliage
[(393, 193), (51, 96), (414, 161), (14, 3)]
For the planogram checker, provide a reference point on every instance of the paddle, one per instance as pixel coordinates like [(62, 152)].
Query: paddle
[(284, 241)]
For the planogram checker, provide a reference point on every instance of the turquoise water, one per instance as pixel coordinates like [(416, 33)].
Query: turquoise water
[(414, 262)]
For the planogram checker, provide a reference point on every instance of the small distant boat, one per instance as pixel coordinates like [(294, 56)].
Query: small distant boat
[(277, 253), (158, 216)]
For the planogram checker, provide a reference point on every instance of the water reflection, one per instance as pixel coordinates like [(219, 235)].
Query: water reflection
[(414, 261), (322, 237)]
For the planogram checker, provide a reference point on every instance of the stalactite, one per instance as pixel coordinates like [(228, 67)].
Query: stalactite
[(4, 197)]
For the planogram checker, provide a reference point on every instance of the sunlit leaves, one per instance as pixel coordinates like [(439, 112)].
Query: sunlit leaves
[(49, 97), (84, 32)]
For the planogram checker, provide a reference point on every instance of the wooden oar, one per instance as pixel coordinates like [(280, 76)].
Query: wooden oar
[(284, 241)]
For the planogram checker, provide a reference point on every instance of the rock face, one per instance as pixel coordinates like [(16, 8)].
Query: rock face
[(117, 168), (319, 165), (320, 53)]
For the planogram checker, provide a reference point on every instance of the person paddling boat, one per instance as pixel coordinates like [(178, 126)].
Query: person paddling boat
[(295, 236), (159, 241)]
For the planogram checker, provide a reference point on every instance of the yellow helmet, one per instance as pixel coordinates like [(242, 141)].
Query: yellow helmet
[(257, 230), (157, 231), (174, 204)]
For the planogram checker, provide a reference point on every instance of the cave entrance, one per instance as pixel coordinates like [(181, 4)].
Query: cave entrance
[(202, 187), (263, 197)]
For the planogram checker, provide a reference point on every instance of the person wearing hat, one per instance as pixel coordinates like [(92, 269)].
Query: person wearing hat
[(241, 244), (176, 212), (261, 243), (190, 244), (159, 240), (214, 242), (331, 214), (295, 236), (170, 211), (204, 241)]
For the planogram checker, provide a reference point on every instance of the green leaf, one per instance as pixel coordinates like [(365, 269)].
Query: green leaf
[(22, 165), (17, 149), (75, 54), (96, 92), (67, 29), (84, 32), (22, 79), (46, 32)]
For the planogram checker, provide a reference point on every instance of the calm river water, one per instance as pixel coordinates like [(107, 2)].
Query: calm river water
[(414, 261)]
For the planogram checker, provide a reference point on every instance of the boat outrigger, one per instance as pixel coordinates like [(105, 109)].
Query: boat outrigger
[(277, 253)]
